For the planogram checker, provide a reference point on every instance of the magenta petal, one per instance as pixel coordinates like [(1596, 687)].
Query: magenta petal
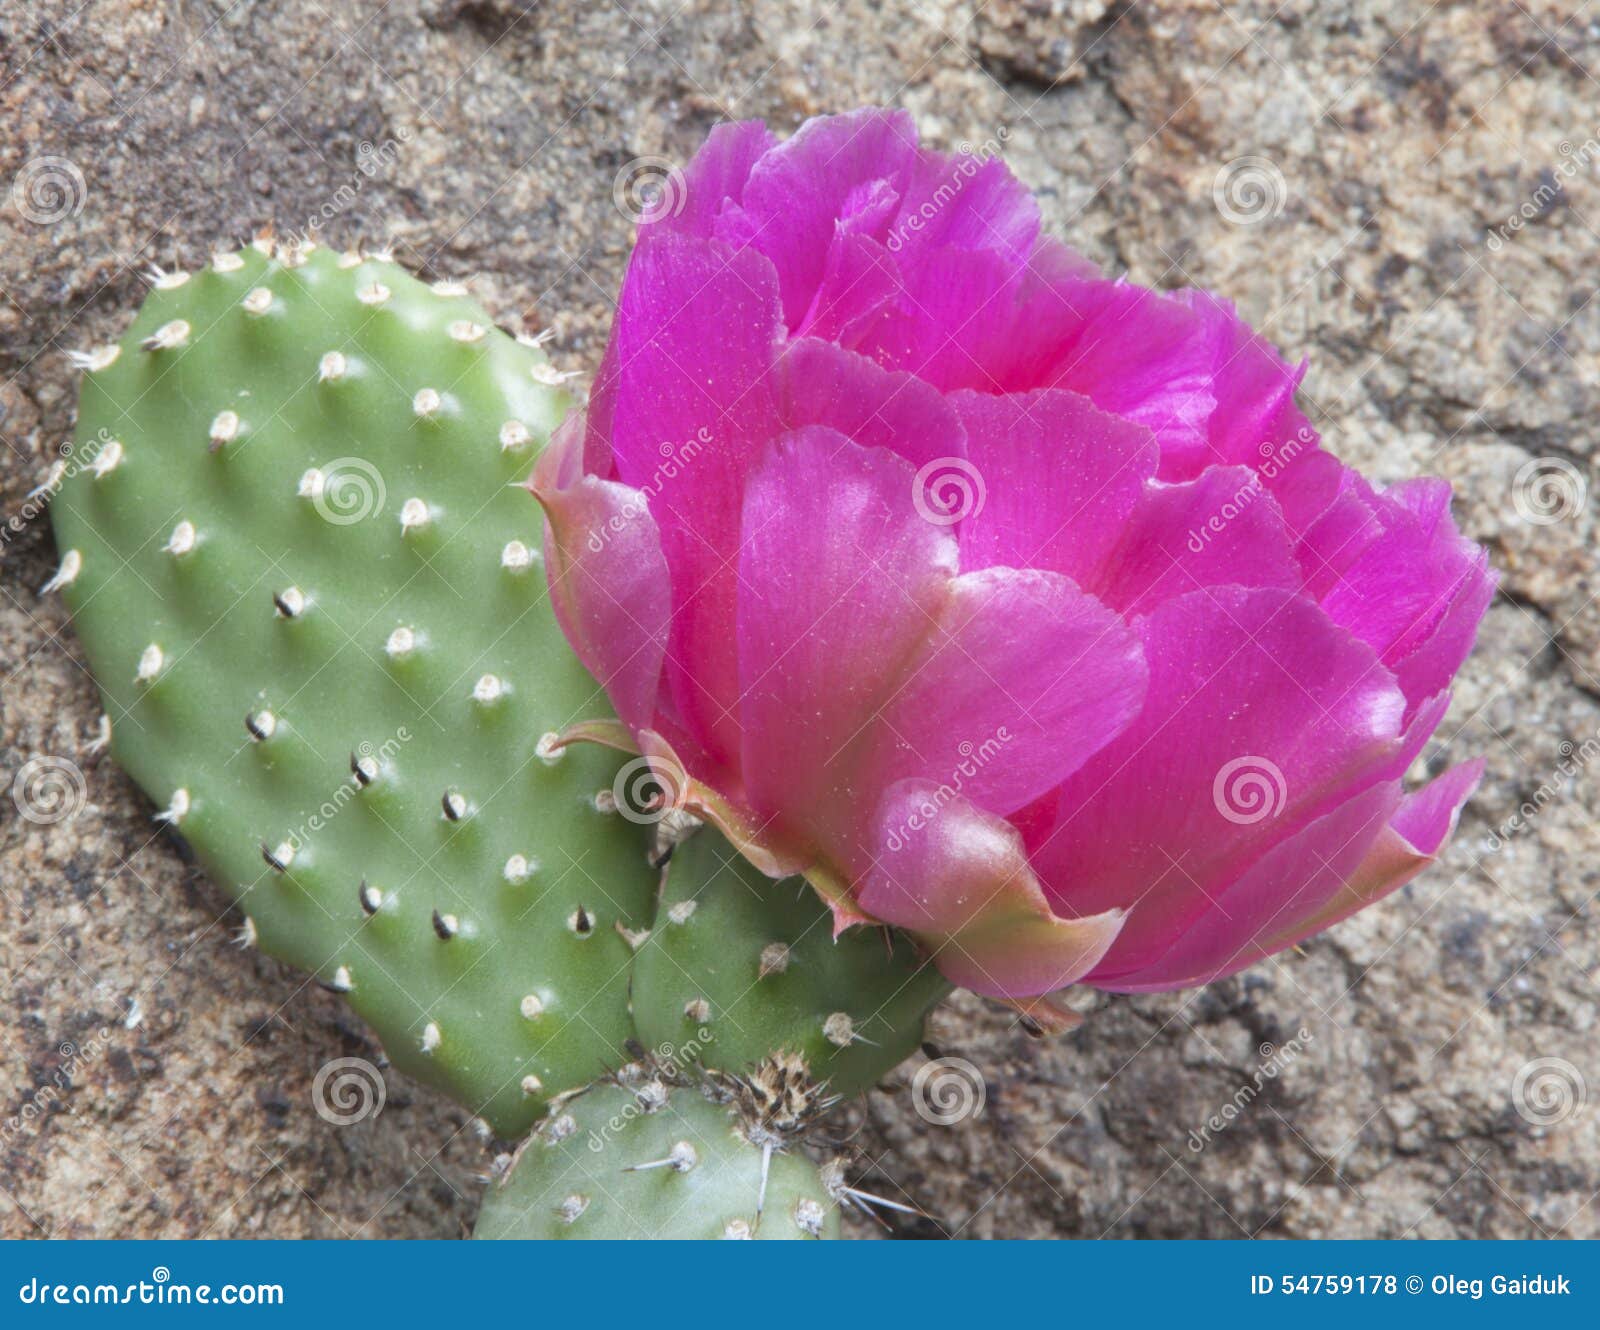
[(1255, 418), (608, 577), (1290, 882), (694, 399), (1141, 355), (859, 281), (823, 384), (958, 879), (1022, 678), (692, 203), (965, 201), (797, 192), (839, 582), (1057, 479), (1223, 529), (1261, 715)]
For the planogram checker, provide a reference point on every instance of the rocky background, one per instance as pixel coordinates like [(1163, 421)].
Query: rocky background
[(1404, 192)]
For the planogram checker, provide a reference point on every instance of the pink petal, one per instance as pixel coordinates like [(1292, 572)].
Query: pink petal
[(1409, 842), (694, 344), (797, 192), (953, 321), (1143, 356), (1261, 715), (608, 577), (965, 201), (1019, 682), (1057, 479), (859, 281), (1433, 664), (958, 879), (1223, 529), (717, 174), (840, 581), (823, 384), (1255, 417), (1290, 882)]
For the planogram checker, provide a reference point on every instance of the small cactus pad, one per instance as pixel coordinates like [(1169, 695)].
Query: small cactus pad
[(642, 1161), (309, 589), (747, 967)]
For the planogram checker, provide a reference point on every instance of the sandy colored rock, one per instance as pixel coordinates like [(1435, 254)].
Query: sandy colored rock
[(1405, 194)]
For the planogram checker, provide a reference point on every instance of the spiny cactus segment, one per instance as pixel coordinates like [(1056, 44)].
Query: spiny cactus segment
[(642, 1157), (306, 580), (747, 967)]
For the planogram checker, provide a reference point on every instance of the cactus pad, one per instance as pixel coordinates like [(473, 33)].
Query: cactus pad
[(308, 586), (640, 1160), (755, 963)]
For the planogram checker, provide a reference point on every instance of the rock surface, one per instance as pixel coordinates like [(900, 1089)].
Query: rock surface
[(1417, 216)]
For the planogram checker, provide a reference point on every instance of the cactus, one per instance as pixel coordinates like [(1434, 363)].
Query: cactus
[(296, 549), (307, 585), (641, 1157), (754, 965)]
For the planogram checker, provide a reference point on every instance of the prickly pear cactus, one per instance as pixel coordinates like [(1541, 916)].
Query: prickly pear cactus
[(639, 1159), (309, 588), (753, 966)]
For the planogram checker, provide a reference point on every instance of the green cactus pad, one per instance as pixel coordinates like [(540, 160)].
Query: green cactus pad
[(308, 586), (752, 964), (580, 1176)]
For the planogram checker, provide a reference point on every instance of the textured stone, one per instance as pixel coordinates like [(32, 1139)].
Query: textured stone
[(1404, 136)]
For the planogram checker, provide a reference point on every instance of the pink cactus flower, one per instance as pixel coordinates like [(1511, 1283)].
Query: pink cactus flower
[(1015, 607)]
